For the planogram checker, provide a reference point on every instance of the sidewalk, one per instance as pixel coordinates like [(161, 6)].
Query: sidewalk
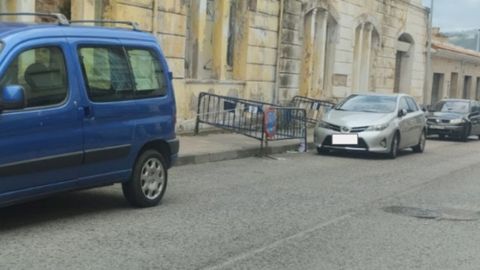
[(227, 146)]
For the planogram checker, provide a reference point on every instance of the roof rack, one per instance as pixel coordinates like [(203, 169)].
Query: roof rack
[(61, 19), (134, 25)]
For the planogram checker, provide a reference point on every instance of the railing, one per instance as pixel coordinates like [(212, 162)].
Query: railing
[(315, 108), (259, 120)]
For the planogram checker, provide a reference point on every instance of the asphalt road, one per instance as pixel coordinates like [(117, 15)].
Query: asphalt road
[(300, 211)]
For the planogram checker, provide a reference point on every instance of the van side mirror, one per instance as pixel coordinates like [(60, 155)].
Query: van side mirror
[(402, 113), (170, 75), (12, 97)]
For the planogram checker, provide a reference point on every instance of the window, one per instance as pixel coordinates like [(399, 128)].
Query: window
[(403, 104), (320, 36), (148, 75), (109, 77), (367, 41), (42, 73), (412, 105)]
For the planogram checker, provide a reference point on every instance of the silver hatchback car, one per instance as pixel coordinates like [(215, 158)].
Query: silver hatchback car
[(376, 123)]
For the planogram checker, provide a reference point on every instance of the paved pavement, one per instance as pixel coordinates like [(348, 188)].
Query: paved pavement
[(205, 148), (299, 211)]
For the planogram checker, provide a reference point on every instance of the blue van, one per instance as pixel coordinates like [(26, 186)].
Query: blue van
[(83, 107)]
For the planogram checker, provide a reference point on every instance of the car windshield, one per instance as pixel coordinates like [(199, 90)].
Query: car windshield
[(374, 104), (452, 106)]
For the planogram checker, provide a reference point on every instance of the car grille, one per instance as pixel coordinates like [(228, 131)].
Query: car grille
[(352, 130), (358, 129), (361, 143)]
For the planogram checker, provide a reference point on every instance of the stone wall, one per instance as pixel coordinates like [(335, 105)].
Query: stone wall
[(269, 63)]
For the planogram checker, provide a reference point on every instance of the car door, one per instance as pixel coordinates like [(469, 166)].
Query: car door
[(41, 144), (418, 119), (109, 110), (475, 118), (406, 124)]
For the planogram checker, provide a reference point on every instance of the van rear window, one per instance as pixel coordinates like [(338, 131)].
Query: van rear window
[(113, 73)]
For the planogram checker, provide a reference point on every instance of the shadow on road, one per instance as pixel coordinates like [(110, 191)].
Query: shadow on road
[(58, 207)]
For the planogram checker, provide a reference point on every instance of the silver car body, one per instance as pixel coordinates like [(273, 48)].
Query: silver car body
[(409, 127)]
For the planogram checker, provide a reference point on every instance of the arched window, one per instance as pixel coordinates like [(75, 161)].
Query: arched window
[(404, 63), (319, 52), (367, 41)]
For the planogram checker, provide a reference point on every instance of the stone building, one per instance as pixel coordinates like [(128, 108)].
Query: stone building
[(272, 50), (456, 71)]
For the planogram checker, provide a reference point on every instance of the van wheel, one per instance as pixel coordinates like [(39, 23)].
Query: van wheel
[(420, 147), (148, 182), (394, 147)]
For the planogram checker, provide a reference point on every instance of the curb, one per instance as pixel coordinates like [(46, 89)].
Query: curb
[(235, 154)]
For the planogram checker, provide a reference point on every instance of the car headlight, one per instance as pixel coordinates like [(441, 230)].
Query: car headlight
[(457, 121), (323, 124), (378, 127)]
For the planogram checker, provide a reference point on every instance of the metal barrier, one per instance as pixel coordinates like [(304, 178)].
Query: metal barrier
[(315, 108), (259, 120)]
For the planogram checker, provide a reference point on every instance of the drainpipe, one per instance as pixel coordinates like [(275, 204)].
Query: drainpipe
[(428, 69), (155, 18), (276, 89)]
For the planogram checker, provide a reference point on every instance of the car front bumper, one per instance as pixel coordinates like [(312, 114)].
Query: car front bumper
[(368, 141), (452, 130)]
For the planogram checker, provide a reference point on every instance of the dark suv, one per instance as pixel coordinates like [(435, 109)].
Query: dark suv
[(84, 107)]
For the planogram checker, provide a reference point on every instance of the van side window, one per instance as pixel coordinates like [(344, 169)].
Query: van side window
[(106, 73), (147, 72), (42, 73)]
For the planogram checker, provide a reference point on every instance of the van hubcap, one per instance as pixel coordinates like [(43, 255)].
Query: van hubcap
[(152, 178)]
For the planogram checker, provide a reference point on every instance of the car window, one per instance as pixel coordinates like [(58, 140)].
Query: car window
[(148, 74), (365, 103), (412, 105), (452, 106), (114, 74), (42, 73), (106, 73), (403, 104)]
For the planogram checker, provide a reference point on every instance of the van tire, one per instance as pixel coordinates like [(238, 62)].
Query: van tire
[(148, 181)]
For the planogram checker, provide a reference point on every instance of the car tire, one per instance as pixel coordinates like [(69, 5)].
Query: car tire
[(420, 147), (442, 137), (394, 147), (148, 182), (466, 133)]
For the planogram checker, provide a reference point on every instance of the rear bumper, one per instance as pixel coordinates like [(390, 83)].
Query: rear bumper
[(174, 146)]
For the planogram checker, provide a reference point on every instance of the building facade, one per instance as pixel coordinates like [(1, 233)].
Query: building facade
[(272, 50), (455, 72)]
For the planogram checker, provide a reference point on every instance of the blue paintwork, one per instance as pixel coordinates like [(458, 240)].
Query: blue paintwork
[(13, 94), (77, 125)]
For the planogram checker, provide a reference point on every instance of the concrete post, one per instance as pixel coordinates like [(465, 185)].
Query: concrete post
[(220, 38)]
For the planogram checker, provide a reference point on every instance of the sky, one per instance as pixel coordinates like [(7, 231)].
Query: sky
[(455, 15)]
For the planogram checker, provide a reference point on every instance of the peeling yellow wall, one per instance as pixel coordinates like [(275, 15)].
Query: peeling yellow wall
[(196, 49)]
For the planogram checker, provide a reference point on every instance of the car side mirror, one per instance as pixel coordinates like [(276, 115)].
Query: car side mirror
[(12, 97), (170, 75), (402, 113)]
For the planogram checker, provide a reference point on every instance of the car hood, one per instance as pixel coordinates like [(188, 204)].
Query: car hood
[(357, 119), (445, 115)]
